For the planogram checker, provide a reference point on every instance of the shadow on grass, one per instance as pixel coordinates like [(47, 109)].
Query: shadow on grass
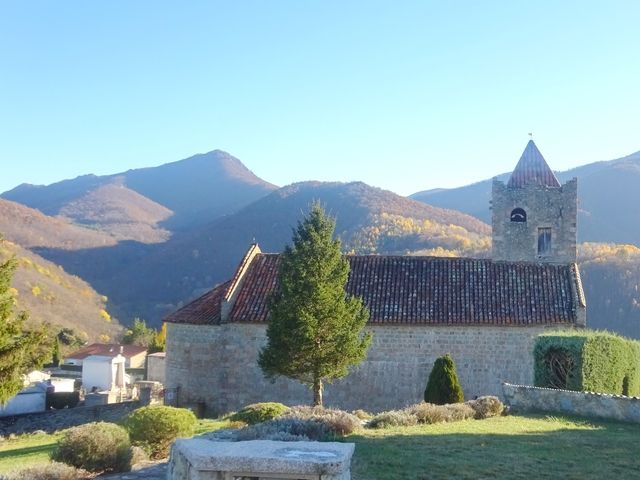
[(592, 450), (20, 452)]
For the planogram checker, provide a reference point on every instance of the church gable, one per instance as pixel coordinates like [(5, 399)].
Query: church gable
[(419, 290)]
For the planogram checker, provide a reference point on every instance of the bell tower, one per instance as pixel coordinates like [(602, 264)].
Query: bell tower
[(534, 217)]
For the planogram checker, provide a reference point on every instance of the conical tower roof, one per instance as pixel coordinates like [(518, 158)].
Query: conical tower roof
[(532, 168)]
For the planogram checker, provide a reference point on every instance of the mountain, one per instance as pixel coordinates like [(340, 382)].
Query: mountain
[(608, 198), (51, 295), (154, 281), (140, 204)]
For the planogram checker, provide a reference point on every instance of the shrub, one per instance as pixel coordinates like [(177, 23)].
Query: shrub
[(362, 414), (443, 386), (287, 429), (155, 427), (457, 412), (587, 361), (428, 413), (95, 447), (259, 412), (393, 418), (49, 471), (486, 407), (337, 422)]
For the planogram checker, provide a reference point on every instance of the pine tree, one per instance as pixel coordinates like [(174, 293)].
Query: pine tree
[(20, 351), (315, 330), (443, 385)]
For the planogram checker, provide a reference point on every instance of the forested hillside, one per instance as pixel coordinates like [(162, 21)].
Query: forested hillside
[(51, 295)]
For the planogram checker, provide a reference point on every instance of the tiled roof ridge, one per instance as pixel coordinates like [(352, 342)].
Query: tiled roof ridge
[(436, 257)]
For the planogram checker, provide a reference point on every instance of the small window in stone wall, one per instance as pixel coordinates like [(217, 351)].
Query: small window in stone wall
[(518, 215), (544, 241)]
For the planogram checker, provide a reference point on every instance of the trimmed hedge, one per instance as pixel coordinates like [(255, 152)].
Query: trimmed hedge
[(591, 361)]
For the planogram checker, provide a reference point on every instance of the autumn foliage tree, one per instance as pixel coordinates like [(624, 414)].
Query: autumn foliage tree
[(315, 331), (20, 350)]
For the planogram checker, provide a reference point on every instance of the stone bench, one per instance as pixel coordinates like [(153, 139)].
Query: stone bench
[(202, 459)]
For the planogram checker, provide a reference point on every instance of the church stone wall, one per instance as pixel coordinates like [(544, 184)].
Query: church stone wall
[(218, 365), (545, 207)]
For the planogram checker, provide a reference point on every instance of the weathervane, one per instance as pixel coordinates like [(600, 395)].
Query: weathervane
[(531, 135)]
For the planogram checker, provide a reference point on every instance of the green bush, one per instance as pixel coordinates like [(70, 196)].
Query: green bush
[(155, 427), (587, 361), (259, 412), (443, 386), (96, 447)]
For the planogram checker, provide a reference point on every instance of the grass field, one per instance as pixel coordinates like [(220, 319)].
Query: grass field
[(513, 447)]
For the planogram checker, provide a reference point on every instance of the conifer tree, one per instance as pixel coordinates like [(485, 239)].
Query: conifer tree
[(20, 351), (443, 385), (315, 328)]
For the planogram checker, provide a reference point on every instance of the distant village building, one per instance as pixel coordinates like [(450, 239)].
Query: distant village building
[(484, 312), (134, 355)]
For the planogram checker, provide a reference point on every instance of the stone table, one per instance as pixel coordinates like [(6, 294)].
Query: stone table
[(204, 459)]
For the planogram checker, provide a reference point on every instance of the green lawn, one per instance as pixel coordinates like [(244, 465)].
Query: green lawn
[(513, 447), (26, 450)]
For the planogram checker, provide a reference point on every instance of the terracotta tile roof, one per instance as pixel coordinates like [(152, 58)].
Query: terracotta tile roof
[(426, 290), (532, 168), (106, 350), (203, 310)]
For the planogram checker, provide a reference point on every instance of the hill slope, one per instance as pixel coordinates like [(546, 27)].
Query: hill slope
[(31, 228), (120, 211), (53, 296), (195, 191), (608, 195)]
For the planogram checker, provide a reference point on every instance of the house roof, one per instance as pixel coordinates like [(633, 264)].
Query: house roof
[(419, 290), (106, 350), (532, 168)]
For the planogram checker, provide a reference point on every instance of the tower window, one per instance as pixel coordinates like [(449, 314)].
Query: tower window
[(518, 215), (544, 241)]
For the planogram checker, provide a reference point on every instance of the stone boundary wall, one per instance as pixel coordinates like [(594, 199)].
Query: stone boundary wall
[(217, 365), (53, 420), (524, 398)]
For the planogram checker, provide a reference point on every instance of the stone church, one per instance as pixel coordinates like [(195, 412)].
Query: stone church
[(485, 312)]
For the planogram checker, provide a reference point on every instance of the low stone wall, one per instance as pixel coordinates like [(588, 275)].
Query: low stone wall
[(522, 398), (53, 420)]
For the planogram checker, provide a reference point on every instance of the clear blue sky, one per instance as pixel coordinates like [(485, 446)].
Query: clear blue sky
[(402, 95)]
